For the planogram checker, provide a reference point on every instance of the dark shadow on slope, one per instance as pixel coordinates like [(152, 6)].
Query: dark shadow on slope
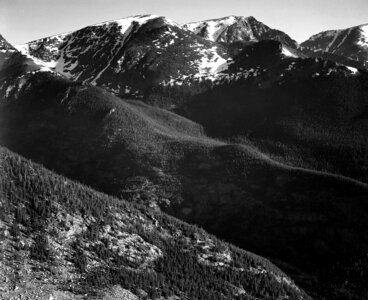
[(310, 220)]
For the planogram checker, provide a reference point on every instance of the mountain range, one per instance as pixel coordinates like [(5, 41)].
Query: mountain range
[(226, 124)]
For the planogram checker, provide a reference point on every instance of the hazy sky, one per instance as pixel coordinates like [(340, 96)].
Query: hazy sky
[(25, 20)]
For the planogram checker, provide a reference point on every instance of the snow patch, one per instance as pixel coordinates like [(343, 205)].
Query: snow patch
[(288, 53), (363, 41), (8, 90), (212, 79), (7, 50), (45, 66), (352, 70), (211, 62), (126, 23)]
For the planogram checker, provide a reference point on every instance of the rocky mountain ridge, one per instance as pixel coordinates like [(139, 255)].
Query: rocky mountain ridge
[(238, 28), (128, 56), (350, 43)]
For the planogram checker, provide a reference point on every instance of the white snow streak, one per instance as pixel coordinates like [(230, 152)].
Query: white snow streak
[(343, 40), (333, 41), (288, 53), (363, 41)]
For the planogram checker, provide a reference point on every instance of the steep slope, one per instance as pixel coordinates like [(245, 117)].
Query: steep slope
[(235, 29), (154, 157), (350, 43), (306, 112), (129, 55), (62, 240)]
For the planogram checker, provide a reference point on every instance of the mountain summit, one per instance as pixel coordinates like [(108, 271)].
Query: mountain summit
[(238, 28), (351, 43)]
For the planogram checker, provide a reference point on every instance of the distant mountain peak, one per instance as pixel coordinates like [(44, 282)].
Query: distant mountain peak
[(238, 28), (351, 43), (331, 32), (230, 17), (141, 19)]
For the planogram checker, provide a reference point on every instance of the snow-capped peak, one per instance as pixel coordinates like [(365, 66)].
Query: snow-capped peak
[(55, 52), (214, 29), (125, 23), (238, 28)]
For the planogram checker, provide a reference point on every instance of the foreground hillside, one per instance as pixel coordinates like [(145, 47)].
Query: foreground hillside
[(63, 240), (306, 221)]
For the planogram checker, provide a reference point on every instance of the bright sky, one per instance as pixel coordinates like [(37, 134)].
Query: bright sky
[(25, 20)]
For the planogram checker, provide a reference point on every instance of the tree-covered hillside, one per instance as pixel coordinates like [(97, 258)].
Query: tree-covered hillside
[(62, 239)]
